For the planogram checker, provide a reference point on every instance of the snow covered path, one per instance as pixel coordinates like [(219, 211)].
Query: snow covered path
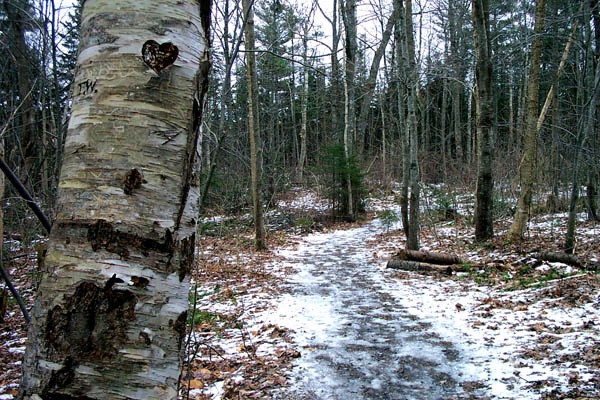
[(357, 339)]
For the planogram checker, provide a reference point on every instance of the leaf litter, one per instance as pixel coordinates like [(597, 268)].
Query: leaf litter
[(319, 315)]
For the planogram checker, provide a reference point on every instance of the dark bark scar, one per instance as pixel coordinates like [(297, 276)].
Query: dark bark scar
[(132, 180)]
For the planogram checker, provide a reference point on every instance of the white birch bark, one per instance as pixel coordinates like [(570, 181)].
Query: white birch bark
[(110, 314)]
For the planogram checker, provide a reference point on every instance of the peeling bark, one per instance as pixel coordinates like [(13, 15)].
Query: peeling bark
[(109, 319)]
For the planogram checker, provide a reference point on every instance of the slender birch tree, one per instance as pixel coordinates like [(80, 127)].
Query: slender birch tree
[(110, 315)]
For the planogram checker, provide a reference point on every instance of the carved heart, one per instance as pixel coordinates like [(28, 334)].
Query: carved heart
[(159, 56)]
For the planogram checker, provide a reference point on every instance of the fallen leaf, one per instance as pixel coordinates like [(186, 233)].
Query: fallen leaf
[(196, 384)]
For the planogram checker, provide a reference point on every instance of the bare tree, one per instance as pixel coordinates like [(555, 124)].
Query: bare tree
[(527, 167), (349, 17), (253, 128), (484, 223)]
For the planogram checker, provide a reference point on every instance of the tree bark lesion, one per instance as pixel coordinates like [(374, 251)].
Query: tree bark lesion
[(92, 323), (103, 235), (89, 326)]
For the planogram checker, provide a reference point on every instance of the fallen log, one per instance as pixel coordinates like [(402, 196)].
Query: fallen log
[(569, 259), (417, 266), (427, 257)]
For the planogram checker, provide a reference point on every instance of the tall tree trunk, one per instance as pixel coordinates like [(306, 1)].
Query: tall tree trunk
[(511, 110), (457, 121), (443, 135), (383, 142), (410, 167), (522, 106), (554, 158), (369, 85), (399, 37), (583, 133), (484, 223), (591, 79), (253, 128), (592, 194), (527, 167), (16, 17), (110, 314), (349, 18), (468, 139), (412, 242), (230, 52), (454, 22), (335, 67), (304, 110)]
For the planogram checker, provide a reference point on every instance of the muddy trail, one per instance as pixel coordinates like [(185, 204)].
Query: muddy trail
[(357, 340)]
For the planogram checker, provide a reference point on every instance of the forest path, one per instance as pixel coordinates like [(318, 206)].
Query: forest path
[(357, 340)]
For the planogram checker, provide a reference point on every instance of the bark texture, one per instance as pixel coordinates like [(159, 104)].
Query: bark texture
[(349, 19), (428, 257), (484, 224), (414, 228), (110, 315)]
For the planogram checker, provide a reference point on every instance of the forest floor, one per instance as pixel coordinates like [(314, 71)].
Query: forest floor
[(319, 316)]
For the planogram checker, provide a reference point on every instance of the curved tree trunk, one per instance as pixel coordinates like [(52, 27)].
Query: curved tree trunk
[(369, 85), (110, 314), (527, 168)]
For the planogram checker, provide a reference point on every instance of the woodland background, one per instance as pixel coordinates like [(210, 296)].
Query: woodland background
[(416, 101), (301, 97)]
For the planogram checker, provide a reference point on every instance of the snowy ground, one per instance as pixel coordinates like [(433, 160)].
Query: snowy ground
[(318, 316), (340, 325)]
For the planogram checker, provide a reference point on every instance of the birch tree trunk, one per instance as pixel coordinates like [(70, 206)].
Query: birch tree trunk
[(253, 126), (110, 314), (527, 167), (484, 223)]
